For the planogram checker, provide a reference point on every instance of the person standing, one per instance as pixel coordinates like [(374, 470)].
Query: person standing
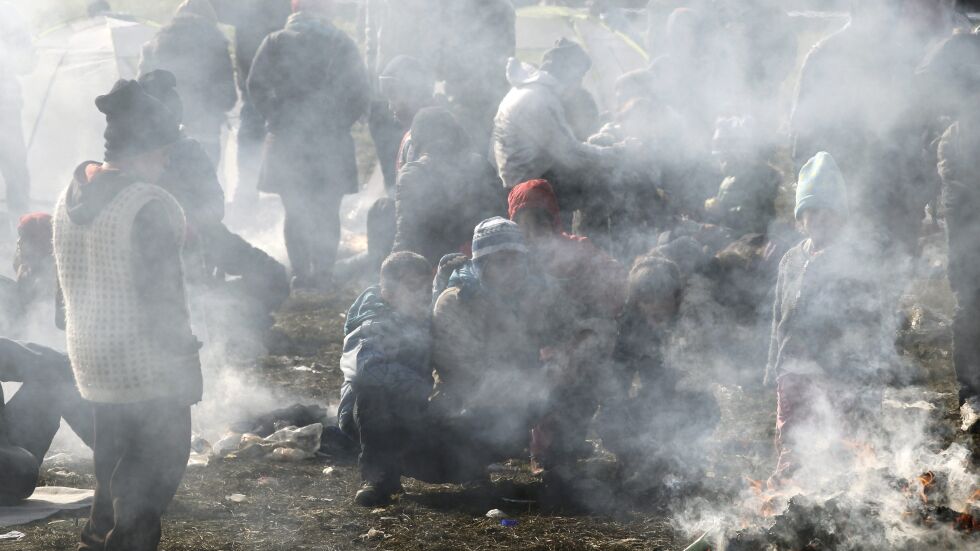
[(16, 58), (827, 344), (310, 84), (117, 243), (954, 70), (253, 21), (194, 49)]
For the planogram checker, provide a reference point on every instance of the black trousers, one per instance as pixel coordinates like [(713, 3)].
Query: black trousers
[(399, 437), (312, 231), (13, 162), (141, 453), (387, 135), (251, 136), (29, 421)]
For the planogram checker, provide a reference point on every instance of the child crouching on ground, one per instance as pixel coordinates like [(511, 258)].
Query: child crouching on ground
[(387, 376)]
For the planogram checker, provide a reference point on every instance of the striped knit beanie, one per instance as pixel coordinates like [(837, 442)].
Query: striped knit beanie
[(495, 235)]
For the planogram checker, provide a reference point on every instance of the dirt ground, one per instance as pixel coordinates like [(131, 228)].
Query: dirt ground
[(297, 506)]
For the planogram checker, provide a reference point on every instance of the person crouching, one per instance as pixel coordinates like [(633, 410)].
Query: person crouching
[(117, 242), (387, 376)]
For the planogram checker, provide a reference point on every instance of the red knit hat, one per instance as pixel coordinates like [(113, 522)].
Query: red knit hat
[(36, 228), (34, 222), (534, 194)]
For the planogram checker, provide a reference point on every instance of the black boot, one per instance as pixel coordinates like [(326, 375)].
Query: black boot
[(377, 494)]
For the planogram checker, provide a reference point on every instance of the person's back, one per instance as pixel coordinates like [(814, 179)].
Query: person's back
[(309, 83), (310, 78), (840, 96), (253, 21), (441, 197), (525, 119), (196, 52), (438, 204)]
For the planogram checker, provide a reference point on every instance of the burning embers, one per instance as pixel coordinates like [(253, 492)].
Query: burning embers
[(807, 523), (928, 497), (969, 519), (871, 509)]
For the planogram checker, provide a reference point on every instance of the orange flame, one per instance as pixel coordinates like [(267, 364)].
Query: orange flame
[(926, 481)]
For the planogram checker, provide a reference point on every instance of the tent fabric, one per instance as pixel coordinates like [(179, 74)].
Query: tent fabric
[(44, 502), (77, 62), (538, 27)]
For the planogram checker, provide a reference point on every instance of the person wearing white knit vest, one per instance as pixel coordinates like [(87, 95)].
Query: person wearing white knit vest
[(117, 242)]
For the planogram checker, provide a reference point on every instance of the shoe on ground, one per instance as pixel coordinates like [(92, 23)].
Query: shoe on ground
[(378, 494), (372, 495)]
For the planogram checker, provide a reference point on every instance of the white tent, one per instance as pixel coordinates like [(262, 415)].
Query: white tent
[(613, 53), (77, 62)]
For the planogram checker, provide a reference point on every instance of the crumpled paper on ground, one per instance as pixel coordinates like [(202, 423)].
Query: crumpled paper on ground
[(286, 444)]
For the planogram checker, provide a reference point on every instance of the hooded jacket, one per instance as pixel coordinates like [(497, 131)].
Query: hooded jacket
[(383, 351), (156, 269), (194, 49), (532, 136)]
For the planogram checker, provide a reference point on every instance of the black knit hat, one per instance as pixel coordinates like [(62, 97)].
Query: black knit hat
[(163, 86), (409, 75), (566, 61), (136, 122), (436, 127)]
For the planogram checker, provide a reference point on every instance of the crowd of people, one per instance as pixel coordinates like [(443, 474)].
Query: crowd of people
[(537, 261)]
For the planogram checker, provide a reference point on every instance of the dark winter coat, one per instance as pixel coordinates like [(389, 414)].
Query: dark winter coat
[(194, 49), (253, 21), (383, 351), (191, 178), (855, 101), (746, 200), (827, 315), (438, 203), (486, 345), (310, 85)]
